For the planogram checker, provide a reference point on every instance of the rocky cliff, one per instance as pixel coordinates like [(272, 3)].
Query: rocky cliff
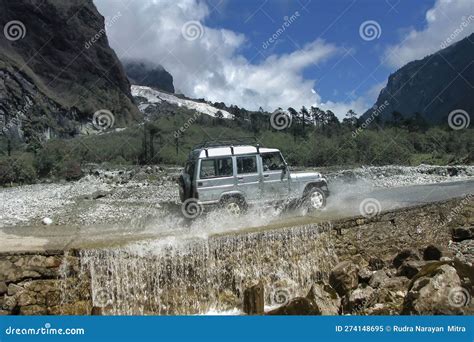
[(433, 86), (145, 74), (57, 69)]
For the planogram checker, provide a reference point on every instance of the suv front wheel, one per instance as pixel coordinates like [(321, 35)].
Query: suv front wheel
[(314, 199)]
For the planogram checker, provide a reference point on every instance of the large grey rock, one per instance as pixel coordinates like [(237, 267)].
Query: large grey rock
[(378, 278), (297, 306), (438, 291), (359, 299), (325, 298), (344, 277)]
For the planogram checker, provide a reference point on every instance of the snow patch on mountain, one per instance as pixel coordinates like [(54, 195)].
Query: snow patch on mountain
[(154, 96)]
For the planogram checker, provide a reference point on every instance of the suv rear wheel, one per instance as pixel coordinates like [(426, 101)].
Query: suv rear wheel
[(234, 206)]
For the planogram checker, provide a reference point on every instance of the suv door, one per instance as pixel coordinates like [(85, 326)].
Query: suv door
[(275, 176), (215, 176), (248, 177)]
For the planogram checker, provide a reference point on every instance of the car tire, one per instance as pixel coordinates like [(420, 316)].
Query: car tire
[(314, 200), (234, 206)]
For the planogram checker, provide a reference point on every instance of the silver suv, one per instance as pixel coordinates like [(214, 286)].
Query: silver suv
[(235, 175)]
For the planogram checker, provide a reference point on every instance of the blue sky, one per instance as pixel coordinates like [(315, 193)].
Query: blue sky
[(321, 58)]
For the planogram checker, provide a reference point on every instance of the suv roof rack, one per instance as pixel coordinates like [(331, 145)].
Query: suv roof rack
[(227, 142)]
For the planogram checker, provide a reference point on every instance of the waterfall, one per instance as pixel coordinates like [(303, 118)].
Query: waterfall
[(176, 276)]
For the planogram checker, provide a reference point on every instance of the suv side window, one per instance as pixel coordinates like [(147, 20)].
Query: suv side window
[(246, 164), (219, 167), (272, 161)]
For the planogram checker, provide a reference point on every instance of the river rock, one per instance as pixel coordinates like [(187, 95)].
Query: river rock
[(325, 298), (359, 299), (344, 277), (410, 268), (378, 278), (47, 221), (462, 233), (432, 252), (365, 275), (436, 291), (297, 306), (406, 254), (3, 287), (376, 264)]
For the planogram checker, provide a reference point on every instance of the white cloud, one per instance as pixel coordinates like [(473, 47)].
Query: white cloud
[(447, 22), (211, 67)]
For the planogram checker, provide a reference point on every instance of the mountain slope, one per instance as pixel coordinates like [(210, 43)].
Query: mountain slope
[(148, 75), (433, 86), (61, 71)]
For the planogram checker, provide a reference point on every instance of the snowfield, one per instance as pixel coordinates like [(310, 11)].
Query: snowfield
[(154, 96)]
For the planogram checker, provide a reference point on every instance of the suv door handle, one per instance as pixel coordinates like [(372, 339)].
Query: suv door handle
[(266, 176), (240, 178)]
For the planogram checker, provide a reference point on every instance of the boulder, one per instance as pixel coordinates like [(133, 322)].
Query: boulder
[(3, 287), (462, 233), (344, 277), (406, 254), (325, 298), (410, 268), (359, 299), (365, 275), (297, 306), (432, 252), (378, 278), (438, 290), (47, 221), (376, 264)]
